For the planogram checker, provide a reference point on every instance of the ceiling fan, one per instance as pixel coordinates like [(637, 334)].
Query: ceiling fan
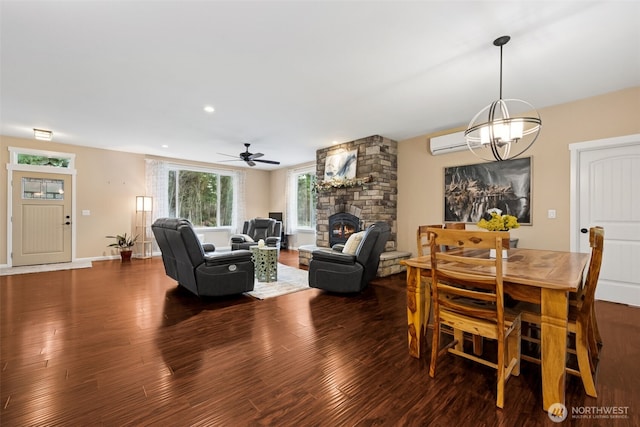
[(250, 158)]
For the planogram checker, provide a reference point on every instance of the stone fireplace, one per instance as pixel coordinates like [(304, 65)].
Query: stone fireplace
[(341, 226), (371, 197), (371, 201)]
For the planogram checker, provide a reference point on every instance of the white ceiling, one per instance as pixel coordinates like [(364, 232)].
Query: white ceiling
[(290, 77)]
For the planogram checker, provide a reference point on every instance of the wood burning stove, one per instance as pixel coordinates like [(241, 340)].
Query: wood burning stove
[(341, 226)]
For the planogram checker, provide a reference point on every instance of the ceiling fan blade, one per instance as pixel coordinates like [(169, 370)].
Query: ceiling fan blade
[(250, 163), (228, 155), (271, 162), (255, 156)]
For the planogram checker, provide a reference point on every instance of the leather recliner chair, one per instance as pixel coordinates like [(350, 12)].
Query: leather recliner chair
[(335, 271), (202, 273), (267, 229)]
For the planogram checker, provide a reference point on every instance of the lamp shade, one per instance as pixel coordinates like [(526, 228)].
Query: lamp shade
[(504, 129), (144, 203)]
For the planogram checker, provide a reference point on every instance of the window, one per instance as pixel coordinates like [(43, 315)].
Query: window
[(203, 197), (42, 161), (42, 188), (51, 161), (306, 199)]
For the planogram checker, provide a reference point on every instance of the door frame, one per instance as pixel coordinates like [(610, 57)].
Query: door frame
[(577, 149), (14, 166)]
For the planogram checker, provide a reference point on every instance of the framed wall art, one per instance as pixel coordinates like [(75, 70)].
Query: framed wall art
[(341, 165), (472, 189)]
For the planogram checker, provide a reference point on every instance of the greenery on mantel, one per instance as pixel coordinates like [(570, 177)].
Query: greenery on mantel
[(341, 183)]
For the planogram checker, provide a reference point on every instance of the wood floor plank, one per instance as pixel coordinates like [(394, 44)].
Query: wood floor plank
[(121, 344)]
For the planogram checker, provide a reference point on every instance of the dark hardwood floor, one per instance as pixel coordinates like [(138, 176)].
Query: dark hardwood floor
[(120, 344)]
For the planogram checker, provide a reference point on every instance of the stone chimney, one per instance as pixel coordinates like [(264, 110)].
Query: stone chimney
[(371, 201)]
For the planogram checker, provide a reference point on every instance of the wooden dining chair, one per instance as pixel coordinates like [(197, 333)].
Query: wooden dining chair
[(423, 237), (596, 242), (423, 250), (581, 319), (468, 297)]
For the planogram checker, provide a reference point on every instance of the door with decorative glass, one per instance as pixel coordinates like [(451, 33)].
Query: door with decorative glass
[(41, 219)]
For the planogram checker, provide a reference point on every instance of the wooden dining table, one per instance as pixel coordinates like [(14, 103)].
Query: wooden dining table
[(539, 276)]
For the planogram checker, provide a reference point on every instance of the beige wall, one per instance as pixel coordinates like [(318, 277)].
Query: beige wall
[(108, 181), (421, 175), (278, 184), (107, 184), (278, 204), (258, 193)]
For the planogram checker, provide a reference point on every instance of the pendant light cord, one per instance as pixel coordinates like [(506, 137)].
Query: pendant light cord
[(501, 71)]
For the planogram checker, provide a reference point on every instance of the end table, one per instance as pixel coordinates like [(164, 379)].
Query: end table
[(265, 260)]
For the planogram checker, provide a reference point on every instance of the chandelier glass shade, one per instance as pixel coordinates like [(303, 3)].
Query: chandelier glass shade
[(504, 129)]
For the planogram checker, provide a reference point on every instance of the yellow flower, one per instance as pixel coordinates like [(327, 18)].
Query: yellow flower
[(498, 222)]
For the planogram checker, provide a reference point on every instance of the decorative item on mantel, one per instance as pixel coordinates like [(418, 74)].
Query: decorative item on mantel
[(493, 220), (339, 182), (124, 243)]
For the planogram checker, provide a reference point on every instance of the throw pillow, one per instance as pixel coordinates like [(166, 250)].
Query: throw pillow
[(352, 243)]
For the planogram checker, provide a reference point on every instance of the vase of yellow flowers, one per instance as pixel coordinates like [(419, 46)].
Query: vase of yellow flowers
[(493, 220)]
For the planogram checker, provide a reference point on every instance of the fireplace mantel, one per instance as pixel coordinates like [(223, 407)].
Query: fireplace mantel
[(342, 183)]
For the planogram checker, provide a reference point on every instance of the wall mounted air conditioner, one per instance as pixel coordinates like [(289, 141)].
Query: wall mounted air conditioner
[(448, 143)]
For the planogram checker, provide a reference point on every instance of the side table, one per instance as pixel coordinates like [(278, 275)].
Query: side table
[(265, 260)]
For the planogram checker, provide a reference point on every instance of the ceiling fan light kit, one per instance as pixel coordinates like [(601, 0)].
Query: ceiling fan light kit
[(504, 129)]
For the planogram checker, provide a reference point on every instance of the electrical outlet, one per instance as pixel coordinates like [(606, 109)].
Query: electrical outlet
[(551, 214)]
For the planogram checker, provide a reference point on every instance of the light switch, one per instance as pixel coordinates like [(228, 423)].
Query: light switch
[(86, 212), (551, 214)]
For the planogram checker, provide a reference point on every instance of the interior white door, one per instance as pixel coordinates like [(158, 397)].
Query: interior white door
[(41, 218), (609, 196)]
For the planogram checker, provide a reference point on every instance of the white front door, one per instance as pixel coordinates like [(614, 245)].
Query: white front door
[(607, 193), (41, 218)]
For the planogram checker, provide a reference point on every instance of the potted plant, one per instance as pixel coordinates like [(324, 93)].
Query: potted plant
[(124, 243)]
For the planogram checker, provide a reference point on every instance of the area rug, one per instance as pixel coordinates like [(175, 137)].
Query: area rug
[(289, 280), (8, 271)]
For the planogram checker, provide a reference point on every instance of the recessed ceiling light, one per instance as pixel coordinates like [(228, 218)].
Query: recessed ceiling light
[(43, 135), (209, 109), (164, 146)]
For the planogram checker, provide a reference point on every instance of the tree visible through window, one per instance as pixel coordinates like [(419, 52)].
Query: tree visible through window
[(53, 161), (204, 198), (306, 200)]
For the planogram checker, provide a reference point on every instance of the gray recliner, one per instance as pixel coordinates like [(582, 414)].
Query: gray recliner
[(267, 229), (336, 271), (202, 273)]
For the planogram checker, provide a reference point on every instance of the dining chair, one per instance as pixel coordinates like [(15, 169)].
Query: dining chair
[(423, 237), (591, 279), (468, 296), (423, 250), (581, 319)]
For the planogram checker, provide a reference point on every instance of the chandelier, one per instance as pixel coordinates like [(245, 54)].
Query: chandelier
[(504, 129)]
